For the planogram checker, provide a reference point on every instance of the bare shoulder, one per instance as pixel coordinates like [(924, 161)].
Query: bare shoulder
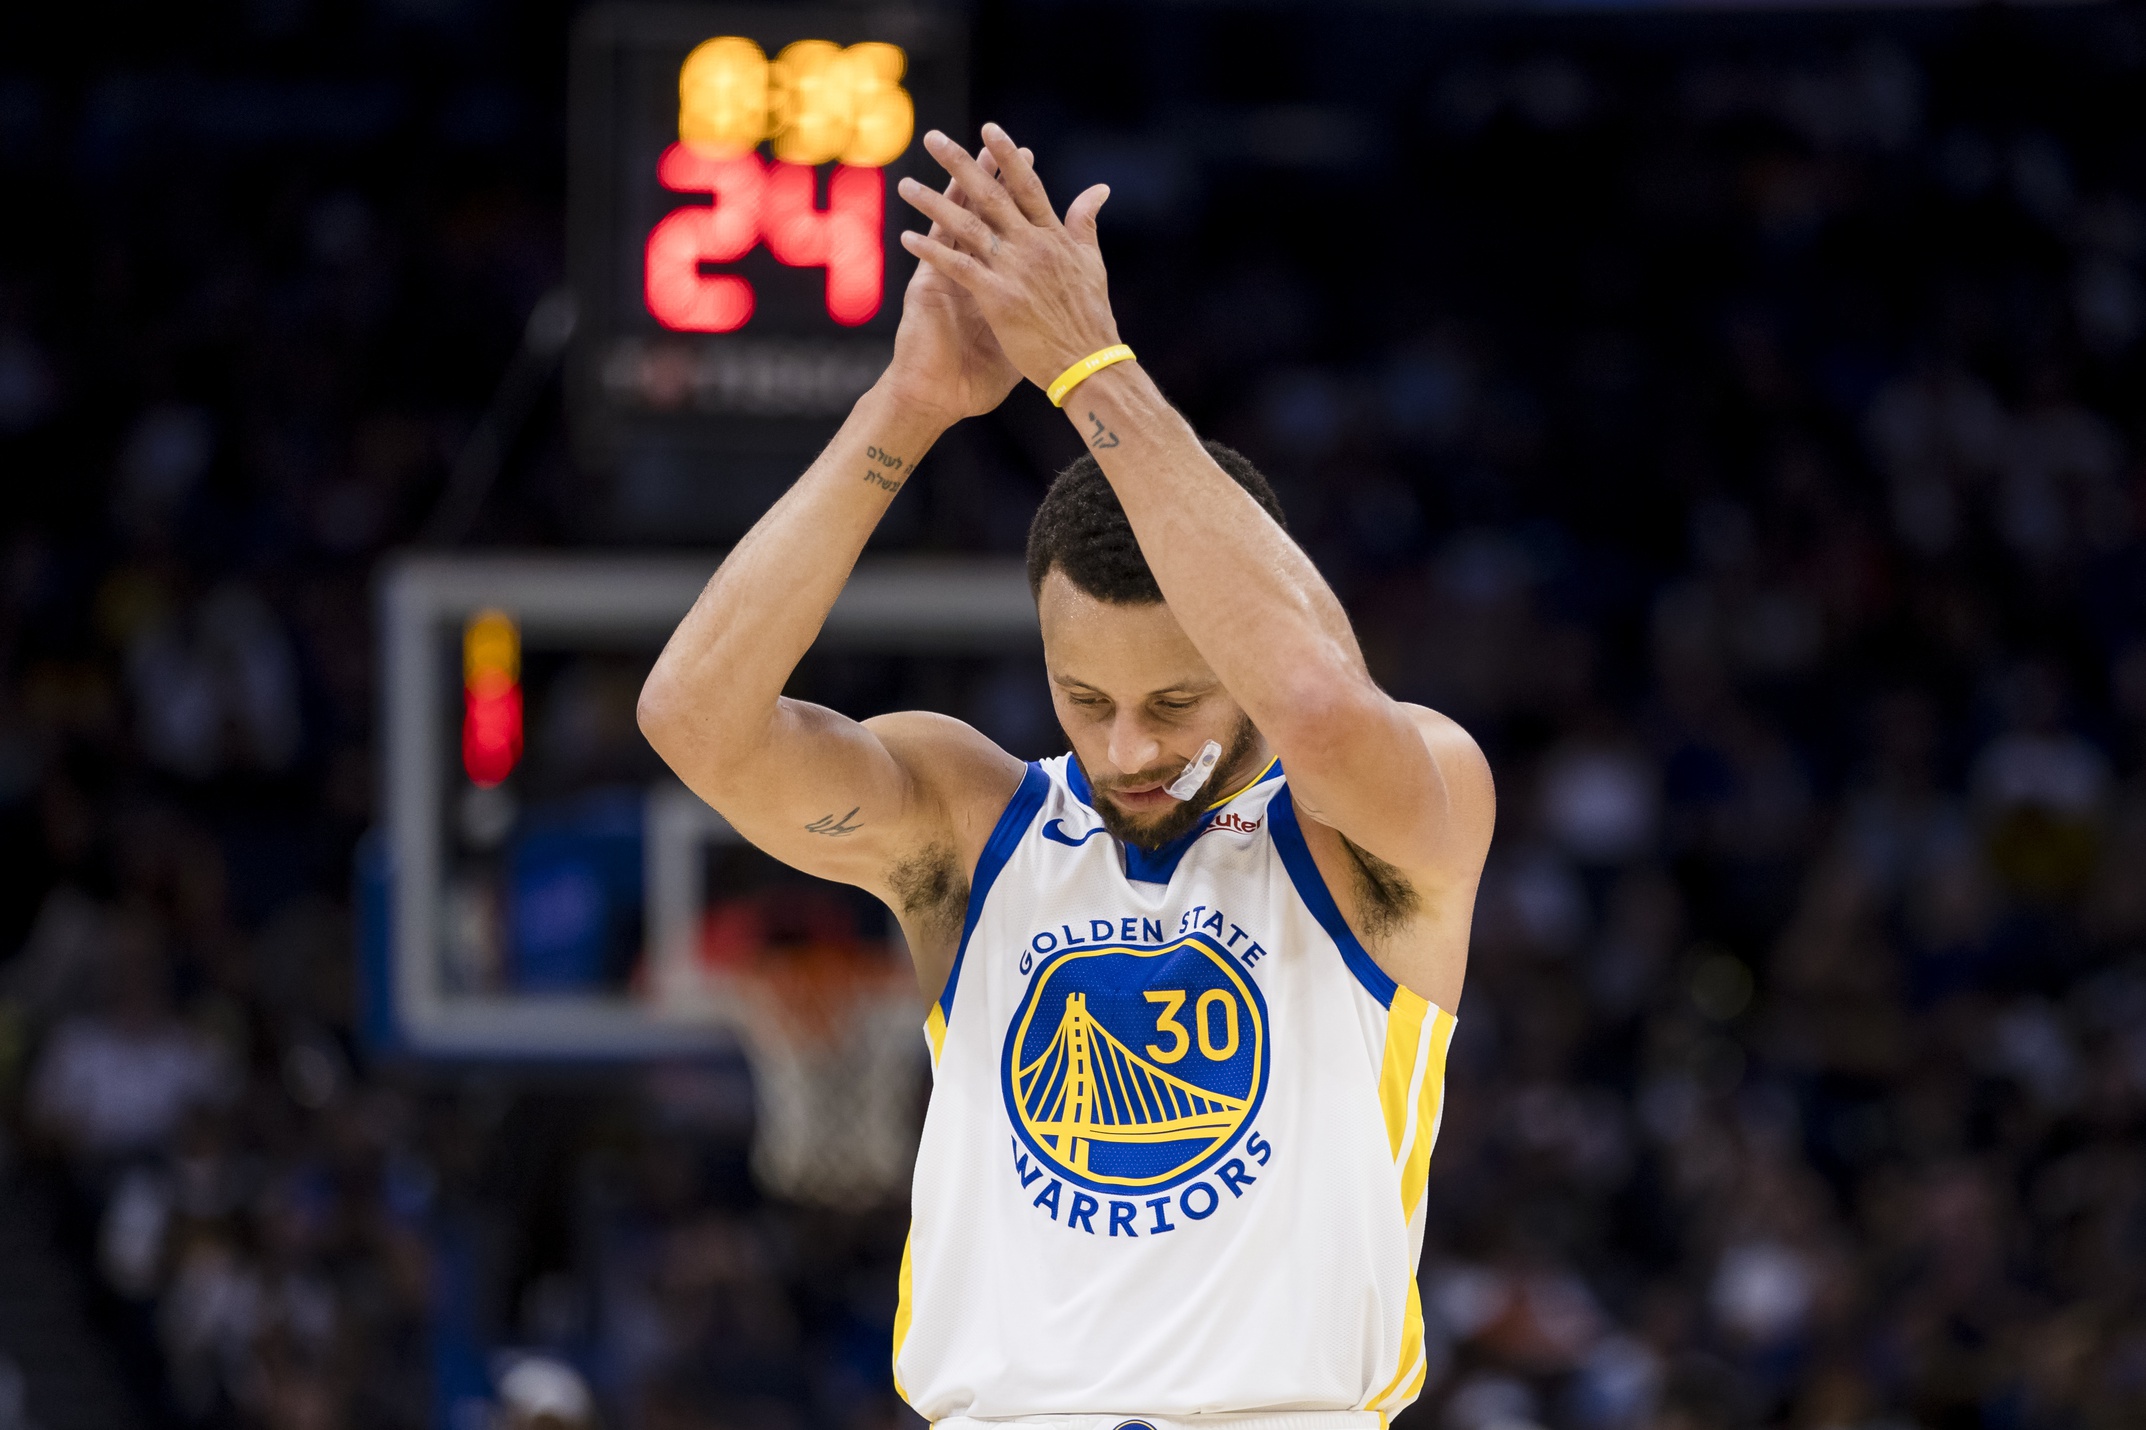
[(954, 765)]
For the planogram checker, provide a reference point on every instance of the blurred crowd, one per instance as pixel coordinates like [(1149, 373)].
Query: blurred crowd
[(1734, 423)]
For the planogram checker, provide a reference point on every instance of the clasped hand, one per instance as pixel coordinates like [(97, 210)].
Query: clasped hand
[(1039, 283)]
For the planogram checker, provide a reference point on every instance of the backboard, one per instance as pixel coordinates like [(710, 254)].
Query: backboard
[(563, 896)]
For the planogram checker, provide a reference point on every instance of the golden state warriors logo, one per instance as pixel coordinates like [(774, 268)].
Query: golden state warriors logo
[(1129, 1068)]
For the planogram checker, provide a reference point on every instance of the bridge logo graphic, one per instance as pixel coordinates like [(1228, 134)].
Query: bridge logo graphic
[(1136, 1068)]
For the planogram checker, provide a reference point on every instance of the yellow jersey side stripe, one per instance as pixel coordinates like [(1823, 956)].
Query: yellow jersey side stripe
[(935, 1031), (1414, 1387), (1397, 1072), (1412, 1101), (1412, 1125), (903, 1311), (1429, 1112), (1411, 1346)]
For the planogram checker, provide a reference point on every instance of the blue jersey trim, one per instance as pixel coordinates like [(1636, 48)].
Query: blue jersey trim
[(1005, 837), (1159, 866), (1311, 888), (1156, 866), (1146, 866), (1077, 780)]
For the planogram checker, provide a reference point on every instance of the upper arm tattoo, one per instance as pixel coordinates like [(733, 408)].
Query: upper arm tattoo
[(834, 827), (1386, 899)]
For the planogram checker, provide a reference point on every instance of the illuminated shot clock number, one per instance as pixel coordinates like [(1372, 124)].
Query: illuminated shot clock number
[(814, 103)]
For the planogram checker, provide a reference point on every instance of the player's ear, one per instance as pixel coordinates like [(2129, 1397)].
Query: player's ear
[(1080, 214)]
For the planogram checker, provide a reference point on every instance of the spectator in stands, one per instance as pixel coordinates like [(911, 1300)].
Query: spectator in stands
[(115, 1083)]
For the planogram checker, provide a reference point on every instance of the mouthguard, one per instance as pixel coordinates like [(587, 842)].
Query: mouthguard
[(1195, 774)]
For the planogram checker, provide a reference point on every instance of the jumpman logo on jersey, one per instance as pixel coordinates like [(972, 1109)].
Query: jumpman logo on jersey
[(1055, 831)]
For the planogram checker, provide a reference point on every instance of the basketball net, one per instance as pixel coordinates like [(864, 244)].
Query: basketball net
[(833, 1028), (837, 1049)]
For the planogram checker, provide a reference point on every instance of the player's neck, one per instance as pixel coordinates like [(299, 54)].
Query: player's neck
[(1245, 768)]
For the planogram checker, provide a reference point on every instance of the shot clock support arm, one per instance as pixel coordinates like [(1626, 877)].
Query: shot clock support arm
[(544, 339)]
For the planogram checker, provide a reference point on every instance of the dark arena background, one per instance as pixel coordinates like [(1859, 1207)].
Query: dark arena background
[(1732, 415)]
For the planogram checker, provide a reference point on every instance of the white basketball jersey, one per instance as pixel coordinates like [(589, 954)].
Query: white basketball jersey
[(1179, 1130)]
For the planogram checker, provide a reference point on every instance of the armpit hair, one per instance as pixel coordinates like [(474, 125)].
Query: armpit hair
[(1389, 901), (930, 888)]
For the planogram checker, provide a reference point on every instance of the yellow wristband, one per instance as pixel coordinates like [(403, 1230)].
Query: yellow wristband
[(1086, 368)]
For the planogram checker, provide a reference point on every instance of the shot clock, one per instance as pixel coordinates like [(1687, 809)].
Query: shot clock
[(733, 244)]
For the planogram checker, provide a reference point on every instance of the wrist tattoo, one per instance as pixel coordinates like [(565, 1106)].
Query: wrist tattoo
[(884, 480), (1102, 439), (833, 827)]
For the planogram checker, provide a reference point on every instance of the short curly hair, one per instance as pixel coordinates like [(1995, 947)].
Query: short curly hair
[(1081, 529)]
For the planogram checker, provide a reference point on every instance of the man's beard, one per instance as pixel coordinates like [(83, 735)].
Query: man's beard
[(1161, 829)]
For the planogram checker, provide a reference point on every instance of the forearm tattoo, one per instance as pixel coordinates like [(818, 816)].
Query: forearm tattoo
[(1102, 439), (890, 472)]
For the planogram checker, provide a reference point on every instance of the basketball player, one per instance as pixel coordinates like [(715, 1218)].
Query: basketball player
[(1193, 982)]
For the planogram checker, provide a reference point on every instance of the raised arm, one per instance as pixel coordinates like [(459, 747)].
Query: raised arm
[(889, 804), (1401, 783)]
